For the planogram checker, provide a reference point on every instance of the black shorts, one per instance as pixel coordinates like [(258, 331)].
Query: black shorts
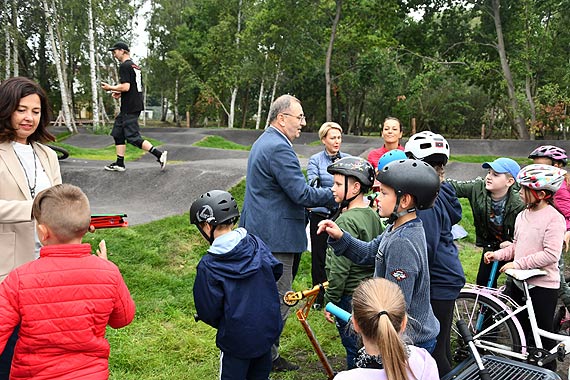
[(126, 128)]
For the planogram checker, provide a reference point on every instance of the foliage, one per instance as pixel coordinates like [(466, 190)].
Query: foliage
[(220, 143)]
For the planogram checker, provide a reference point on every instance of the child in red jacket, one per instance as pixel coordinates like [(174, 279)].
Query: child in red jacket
[(64, 300)]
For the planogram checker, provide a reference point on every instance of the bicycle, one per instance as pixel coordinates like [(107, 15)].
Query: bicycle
[(491, 317)]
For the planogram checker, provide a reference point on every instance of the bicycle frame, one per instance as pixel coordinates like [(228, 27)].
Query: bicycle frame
[(513, 309)]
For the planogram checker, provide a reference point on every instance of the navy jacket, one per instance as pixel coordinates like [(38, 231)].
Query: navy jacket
[(446, 272), (276, 194), (236, 293)]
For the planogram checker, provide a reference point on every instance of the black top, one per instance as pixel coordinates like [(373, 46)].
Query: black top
[(132, 100)]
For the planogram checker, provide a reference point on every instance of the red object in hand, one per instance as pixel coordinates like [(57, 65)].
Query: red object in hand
[(108, 221)]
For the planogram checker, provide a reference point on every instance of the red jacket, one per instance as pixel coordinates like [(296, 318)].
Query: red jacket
[(63, 302)]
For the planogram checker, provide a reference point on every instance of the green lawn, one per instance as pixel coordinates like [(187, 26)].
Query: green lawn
[(104, 154), (158, 261)]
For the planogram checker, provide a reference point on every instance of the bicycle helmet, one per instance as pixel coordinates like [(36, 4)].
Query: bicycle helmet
[(214, 207), (355, 167), (428, 146), (413, 177), (541, 177), (392, 155), (550, 151)]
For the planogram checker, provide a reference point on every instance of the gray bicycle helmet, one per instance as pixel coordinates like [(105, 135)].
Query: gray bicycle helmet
[(429, 147), (214, 207), (413, 177), (356, 167), (552, 152)]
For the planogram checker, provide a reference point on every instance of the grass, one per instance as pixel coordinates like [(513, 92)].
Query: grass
[(104, 154), (158, 261), (220, 143)]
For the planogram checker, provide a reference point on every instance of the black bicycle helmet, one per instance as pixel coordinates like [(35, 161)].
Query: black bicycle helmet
[(356, 167), (413, 177), (214, 207)]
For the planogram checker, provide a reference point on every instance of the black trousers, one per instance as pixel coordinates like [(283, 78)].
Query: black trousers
[(318, 249), (443, 310), (6, 356)]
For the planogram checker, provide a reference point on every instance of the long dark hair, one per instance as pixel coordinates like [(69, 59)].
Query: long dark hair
[(11, 91)]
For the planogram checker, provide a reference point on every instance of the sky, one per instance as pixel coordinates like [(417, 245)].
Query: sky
[(138, 48)]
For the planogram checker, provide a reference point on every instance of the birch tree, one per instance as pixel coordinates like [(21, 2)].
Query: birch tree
[(93, 67), (51, 23)]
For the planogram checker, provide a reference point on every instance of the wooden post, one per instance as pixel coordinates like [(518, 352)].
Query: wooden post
[(483, 131), (413, 126), (187, 119)]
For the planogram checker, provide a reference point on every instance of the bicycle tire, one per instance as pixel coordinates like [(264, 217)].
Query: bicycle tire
[(469, 307), (62, 153)]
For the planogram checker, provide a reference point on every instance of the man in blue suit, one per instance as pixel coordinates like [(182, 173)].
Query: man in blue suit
[(276, 195)]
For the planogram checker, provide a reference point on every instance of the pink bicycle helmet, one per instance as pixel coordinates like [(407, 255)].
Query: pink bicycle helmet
[(541, 177), (550, 151)]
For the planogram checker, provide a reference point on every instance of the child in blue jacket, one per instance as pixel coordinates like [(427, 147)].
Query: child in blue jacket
[(235, 289)]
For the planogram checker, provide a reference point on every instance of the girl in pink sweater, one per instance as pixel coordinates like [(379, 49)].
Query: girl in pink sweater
[(539, 234)]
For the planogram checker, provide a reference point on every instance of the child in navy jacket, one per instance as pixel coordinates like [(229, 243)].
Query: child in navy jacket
[(235, 289)]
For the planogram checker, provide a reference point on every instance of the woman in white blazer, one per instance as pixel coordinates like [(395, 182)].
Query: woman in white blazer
[(26, 168)]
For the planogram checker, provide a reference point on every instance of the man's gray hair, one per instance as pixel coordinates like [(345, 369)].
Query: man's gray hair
[(282, 103)]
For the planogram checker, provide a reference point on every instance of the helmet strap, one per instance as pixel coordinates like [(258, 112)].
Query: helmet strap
[(395, 214), (210, 238)]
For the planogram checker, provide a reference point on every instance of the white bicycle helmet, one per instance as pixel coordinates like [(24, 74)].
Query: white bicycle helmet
[(541, 177), (428, 146)]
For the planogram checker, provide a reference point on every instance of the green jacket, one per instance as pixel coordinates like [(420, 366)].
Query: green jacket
[(344, 275), (480, 201)]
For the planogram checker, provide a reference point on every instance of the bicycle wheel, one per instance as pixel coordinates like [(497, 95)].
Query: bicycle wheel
[(62, 153), (480, 312)]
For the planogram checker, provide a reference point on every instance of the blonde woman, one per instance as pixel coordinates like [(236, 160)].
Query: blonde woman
[(330, 134)]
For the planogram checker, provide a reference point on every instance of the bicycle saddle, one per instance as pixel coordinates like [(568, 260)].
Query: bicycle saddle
[(525, 274)]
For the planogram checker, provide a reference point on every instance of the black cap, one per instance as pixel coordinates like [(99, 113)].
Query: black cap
[(119, 45)]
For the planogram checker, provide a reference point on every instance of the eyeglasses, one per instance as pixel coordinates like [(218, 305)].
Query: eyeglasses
[(300, 117)]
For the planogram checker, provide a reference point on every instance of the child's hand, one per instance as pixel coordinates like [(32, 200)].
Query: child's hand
[(510, 265), (328, 316), (567, 240), (505, 244), (102, 251), (488, 257), (330, 228)]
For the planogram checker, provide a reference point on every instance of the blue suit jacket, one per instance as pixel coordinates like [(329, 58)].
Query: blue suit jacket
[(276, 194)]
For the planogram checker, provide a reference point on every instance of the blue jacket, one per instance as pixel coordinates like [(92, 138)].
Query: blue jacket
[(317, 167), (236, 293), (276, 194), (446, 272)]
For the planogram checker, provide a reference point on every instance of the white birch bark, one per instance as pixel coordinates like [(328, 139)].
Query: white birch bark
[(50, 18), (176, 118), (277, 73), (259, 104), (231, 116), (15, 63), (7, 32), (93, 68)]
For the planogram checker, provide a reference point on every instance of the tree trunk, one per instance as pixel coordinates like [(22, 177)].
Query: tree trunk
[(93, 68), (519, 120), (7, 35), (231, 115), (244, 108), (15, 32), (50, 18), (259, 104), (176, 118), (328, 60), (274, 90)]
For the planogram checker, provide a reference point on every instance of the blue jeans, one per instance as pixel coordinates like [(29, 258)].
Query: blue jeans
[(348, 337), (429, 345)]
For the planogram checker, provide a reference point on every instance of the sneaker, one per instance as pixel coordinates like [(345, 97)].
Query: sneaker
[(163, 158), (115, 168), (282, 365)]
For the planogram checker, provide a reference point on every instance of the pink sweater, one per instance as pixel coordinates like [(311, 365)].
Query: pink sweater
[(537, 244), (562, 201)]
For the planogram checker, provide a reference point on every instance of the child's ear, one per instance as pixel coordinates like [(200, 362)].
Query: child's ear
[(44, 232), (406, 201), (510, 181)]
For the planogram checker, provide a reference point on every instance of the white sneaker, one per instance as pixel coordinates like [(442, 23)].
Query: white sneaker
[(115, 168), (163, 159)]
